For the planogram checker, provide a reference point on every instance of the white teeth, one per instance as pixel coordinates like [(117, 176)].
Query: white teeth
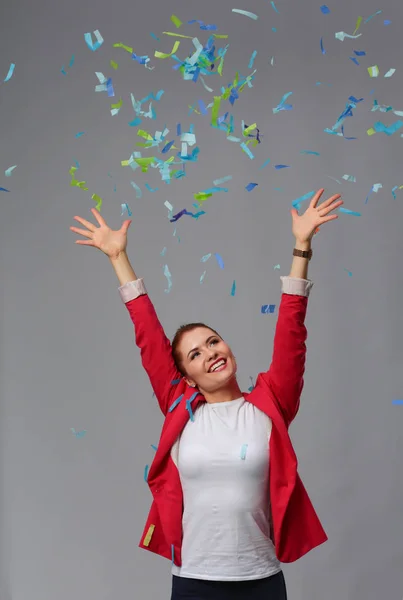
[(217, 365)]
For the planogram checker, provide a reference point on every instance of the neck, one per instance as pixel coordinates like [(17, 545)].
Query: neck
[(231, 391)]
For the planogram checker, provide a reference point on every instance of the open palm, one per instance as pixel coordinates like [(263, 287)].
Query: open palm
[(110, 242)]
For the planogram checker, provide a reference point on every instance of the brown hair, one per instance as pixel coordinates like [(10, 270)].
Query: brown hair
[(177, 339)]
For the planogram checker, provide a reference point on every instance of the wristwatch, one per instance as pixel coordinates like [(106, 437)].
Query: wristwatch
[(303, 253)]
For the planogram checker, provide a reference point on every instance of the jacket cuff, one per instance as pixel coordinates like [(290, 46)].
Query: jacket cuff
[(132, 289), (296, 286)]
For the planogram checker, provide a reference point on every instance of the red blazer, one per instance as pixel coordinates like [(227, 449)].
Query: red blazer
[(296, 528)]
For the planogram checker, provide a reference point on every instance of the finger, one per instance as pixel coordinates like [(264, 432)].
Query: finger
[(98, 216), (316, 197), (81, 232), (90, 226), (331, 207), (331, 218), (329, 201), (85, 242)]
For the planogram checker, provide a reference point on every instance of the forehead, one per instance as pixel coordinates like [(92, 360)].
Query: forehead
[(195, 337)]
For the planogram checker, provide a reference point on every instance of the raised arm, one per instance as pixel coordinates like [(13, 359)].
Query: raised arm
[(284, 379), (154, 346)]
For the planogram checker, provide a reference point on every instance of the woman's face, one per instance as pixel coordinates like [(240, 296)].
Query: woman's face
[(200, 350)]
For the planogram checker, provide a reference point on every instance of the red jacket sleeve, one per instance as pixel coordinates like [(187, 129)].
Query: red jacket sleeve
[(155, 351), (284, 379)]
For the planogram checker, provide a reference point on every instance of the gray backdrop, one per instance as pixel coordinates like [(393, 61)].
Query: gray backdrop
[(73, 508)]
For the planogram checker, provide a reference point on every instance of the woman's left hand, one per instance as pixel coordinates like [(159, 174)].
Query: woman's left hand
[(305, 226)]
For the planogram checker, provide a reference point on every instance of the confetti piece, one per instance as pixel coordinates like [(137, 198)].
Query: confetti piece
[(357, 25), (135, 122), (163, 55), (88, 40), (114, 65), (282, 105), (252, 59), (349, 178), (373, 71), (399, 402), (268, 308), (341, 35), (202, 276), (250, 187), (8, 171), (274, 6), (150, 189), (203, 26), (149, 535), (296, 203), (205, 257), (78, 434), (98, 200), (310, 152), (71, 63), (10, 72), (243, 451), (186, 212), (176, 21), (146, 473), (125, 207), (378, 12), (325, 10), (3, 189), (233, 289), (222, 180), (246, 13), (264, 164), (321, 46), (220, 261), (360, 52), (281, 167), (168, 276), (387, 22), (75, 182), (390, 73), (349, 212), (246, 149), (79, 134), (139, 193)]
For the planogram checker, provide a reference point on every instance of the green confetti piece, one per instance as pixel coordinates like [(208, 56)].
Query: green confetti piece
[(176, 21), (114, 65)]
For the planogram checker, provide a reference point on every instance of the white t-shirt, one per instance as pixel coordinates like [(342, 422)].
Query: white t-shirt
[(223, 462)]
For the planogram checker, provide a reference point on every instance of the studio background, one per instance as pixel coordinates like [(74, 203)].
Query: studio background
[(72, 509)]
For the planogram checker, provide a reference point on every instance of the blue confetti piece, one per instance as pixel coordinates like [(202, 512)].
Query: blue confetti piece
[(154, 36), (202, 107), (386, 22), (91, 45), (167, 147), (378, 12), (250, 186), (268, 308), (175, 403), (246, 149), (146, 473), (150, 189), (397, 402), (10, 72), (252, 58), (243, 451), (175, 381), (325, 9), (310, 152), (178, 129), (264, 164), (359, 52), (321, 46), (349, 212), (136, 122), (63, 71), (79, 134), (173, 554), (3, 189), (154, 447), (354, 60), (281, 167), (233, 289), (78, 434), (378, 126), (219, 260)]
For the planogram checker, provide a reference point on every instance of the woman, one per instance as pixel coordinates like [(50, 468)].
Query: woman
[(228, 503)]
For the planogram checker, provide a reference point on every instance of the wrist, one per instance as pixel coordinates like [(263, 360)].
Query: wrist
[(302, 245), (120, 257)]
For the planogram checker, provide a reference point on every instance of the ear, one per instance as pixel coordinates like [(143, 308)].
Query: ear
[(189, 382)]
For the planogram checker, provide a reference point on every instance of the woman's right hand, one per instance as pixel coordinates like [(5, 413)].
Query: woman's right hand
[(111, 242)]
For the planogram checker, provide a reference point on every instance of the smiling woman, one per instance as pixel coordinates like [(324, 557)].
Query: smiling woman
[(197, 349)]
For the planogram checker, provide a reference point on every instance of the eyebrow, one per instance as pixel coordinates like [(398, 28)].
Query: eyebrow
[(197, 347)]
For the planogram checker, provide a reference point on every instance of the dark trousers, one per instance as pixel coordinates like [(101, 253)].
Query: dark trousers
[(269, 588)]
